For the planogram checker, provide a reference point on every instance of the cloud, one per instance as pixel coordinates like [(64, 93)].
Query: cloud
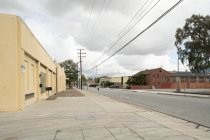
[(62, 7), (150, 61), (98, 37), (64, 26), (11, 5)]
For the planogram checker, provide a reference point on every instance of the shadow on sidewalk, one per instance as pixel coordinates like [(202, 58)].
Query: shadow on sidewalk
[(67, 93)]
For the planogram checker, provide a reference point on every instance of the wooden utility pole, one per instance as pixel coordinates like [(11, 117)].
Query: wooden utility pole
[(178, 78), (81, 55)]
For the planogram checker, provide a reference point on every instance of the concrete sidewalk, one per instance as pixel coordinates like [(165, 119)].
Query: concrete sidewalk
[(94, 117)]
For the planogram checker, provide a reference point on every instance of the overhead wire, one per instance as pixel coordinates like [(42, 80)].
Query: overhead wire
[(131, 27), (134, 16), (107, 5), (91, 12), (148, 27), (97, 18)]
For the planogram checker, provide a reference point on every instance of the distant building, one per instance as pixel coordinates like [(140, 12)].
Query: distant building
[(27, 74), (160, 78), (117, 81)]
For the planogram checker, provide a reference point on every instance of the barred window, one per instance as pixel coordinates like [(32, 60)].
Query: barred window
[(173, 79), (183, 79), (193, 79), (201, 79)]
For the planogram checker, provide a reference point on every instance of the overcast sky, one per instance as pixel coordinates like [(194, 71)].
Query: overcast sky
[(63, 26)]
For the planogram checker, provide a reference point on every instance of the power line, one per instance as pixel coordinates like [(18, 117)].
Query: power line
[(91, 12), (86, 26), (133, 17), (100, 10), (130, 28), (148, 27), (102, 14), (115, 41)]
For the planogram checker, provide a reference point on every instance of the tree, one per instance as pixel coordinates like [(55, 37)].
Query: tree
[(129, 81), (105, 84), (139, 80), (136, 80), (193, 43), (71, 71), (84, 79), (97, 80)]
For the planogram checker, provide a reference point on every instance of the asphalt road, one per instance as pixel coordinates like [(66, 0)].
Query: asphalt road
[(192, 109)]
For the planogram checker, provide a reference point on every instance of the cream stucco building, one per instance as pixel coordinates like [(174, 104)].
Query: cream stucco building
[(119, 81), (27, 71)]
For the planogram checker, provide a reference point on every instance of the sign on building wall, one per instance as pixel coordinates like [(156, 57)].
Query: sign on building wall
[(23, 68)]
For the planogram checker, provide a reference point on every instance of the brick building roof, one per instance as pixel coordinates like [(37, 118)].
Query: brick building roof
[(147, 71), (173, 73), (187, 74)]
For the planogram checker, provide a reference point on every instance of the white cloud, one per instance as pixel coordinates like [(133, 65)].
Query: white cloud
[(64, 26)]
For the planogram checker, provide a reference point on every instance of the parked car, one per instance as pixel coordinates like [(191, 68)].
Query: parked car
[(93, 85), (114, 86)]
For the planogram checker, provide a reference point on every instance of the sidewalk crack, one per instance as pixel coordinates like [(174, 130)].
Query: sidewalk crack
[(134, 132), (82, 134), (56, 133), (110, 133)]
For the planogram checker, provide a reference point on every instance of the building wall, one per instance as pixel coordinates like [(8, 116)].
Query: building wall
[(120, 81), (24, 65), (159, 78), (115, 79), (124, 80), (32, 46), (190, 84), (61, 79), (8, 57)]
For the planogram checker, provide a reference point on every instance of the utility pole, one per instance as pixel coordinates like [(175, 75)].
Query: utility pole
[(178, 88), (78, 75), (81, 55), (96, 71)]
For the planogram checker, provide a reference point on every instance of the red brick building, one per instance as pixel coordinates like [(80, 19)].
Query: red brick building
[(160, 78)]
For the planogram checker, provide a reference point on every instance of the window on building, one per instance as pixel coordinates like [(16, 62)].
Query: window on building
[(201, 79), (173, 79), (168, 79), (193, 79), (183, 79), (164, 78)]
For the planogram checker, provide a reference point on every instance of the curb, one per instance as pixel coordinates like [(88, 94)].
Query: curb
[(185, 95), (173, 94)]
